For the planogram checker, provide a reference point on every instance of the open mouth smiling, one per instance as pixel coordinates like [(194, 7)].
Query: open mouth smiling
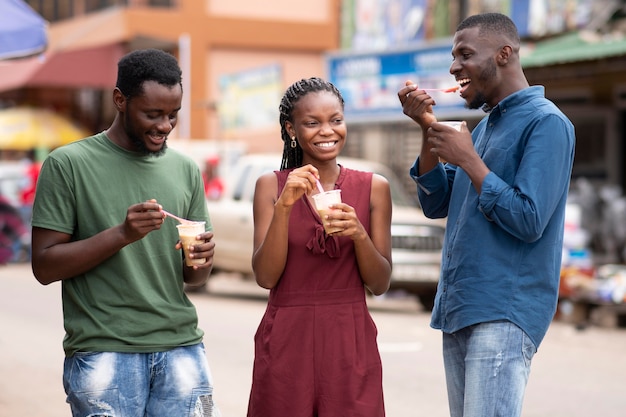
[(326, 144), (464, 83)]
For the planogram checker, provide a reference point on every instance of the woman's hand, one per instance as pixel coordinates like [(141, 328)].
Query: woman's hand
[(299, 182)]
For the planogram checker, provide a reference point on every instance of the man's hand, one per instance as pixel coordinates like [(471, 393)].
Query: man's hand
[(141, 219), (417, 104)]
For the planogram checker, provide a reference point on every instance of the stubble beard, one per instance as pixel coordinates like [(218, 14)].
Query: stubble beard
[(138, 143), (488, 74)]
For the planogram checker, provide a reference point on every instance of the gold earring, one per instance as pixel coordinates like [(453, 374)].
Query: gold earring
[(293, 142)]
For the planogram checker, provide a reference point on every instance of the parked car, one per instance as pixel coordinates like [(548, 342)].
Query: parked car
[(416, 239)]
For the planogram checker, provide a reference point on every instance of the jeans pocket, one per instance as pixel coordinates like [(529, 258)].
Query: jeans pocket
[(528, 349)]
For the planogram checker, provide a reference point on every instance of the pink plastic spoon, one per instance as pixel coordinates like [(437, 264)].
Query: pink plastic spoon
[(319, 186), (180, 219), (443, 90)]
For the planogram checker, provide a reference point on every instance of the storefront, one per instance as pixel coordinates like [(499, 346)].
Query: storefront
[(585, 75)]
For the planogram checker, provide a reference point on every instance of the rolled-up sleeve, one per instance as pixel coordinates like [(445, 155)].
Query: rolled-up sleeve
[(525, 207), (433, 189)]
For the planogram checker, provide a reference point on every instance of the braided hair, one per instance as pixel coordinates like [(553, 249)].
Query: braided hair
[(292, 156)]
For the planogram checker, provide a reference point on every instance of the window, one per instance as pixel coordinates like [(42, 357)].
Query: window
[(94, 5), (53, 10)]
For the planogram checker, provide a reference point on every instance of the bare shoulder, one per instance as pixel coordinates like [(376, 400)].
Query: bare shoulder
[(380, 183), (266, 187), (381, 192)]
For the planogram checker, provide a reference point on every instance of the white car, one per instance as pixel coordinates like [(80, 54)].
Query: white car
[(416, 239)]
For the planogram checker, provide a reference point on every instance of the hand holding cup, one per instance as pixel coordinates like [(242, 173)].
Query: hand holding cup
[(323, 201)]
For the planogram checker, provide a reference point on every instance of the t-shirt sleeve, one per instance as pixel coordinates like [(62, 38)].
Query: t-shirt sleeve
[(54, 205)]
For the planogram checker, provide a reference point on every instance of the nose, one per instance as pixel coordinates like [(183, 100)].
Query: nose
[(454, 67), (326, 129), (166, 124)]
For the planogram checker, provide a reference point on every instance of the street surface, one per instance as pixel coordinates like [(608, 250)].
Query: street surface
[(575, 373)]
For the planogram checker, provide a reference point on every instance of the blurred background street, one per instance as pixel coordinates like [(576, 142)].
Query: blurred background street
[(576, 373), (55, 88)]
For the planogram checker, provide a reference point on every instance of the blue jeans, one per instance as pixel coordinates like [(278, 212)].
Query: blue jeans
[(487, 367), (172, 383)]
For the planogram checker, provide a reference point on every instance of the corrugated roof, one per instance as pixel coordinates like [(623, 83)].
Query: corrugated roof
[(573, 47)]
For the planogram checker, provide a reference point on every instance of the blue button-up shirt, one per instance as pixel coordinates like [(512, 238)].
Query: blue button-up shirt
[(501, 258)]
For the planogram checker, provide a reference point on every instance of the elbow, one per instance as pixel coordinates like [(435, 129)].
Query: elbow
[(264, 281), (265, 276), (379, 288), (532, 232), (41, 276), (532, 237)]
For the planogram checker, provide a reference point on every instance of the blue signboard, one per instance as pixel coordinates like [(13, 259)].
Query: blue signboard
[(369, 82)]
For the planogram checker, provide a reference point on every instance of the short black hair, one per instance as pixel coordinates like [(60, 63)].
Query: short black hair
[(495, 23), (292, 157), (141, 65)]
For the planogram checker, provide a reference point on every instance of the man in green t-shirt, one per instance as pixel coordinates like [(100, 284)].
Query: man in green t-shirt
[(132, 343)]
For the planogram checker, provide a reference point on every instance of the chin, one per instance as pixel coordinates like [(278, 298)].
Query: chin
[(161, 151)]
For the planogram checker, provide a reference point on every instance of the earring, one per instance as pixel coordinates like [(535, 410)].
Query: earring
[(293, 142)]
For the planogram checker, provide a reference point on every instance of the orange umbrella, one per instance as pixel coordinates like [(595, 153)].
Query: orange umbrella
[(25, 128)]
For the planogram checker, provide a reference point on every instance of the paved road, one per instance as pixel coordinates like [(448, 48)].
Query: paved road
[(575, 374)]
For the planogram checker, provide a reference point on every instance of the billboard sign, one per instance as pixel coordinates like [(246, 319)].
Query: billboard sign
[(369, 81)]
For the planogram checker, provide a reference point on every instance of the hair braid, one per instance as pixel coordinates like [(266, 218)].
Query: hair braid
[(292, 157)]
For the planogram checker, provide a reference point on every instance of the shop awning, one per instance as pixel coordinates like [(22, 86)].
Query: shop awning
[(573, 47), (92, 67)]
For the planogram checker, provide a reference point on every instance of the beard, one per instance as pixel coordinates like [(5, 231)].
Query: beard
[(138, 143), (477, 103), (486, 75)]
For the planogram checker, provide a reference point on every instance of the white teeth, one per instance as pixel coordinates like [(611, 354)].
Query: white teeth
[(325, 144)]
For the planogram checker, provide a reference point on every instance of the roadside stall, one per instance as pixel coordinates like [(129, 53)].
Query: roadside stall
[(589, 293)]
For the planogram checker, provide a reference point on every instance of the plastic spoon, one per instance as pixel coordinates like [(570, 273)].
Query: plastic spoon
[(319, 185), (443, 90), (180, 219)]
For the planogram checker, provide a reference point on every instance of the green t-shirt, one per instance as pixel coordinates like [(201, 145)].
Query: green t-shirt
[(134, 301)]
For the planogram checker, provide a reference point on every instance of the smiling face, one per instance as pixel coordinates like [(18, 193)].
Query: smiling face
[(148, 118), (319, 126), (475, 67)]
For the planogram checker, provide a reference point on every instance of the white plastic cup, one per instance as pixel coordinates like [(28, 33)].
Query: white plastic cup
[(188, 232), (456, 124), (322, 203), (453, 123)]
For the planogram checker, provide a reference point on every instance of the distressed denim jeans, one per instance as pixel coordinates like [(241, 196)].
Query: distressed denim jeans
[(487, 368), (109, 384)]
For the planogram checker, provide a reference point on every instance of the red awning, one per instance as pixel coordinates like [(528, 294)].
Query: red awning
[(92, 67)]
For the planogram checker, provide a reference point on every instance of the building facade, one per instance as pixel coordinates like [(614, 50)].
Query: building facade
[(237, 56)]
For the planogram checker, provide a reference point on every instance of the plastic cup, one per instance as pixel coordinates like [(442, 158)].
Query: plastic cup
[(453, 123), (322, 203), (456, 124), (188, 232)]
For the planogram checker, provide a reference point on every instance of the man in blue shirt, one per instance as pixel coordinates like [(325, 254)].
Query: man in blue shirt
[(503, 189)]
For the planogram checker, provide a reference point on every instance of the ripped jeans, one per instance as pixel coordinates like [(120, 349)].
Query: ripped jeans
[(487, 366), (109, 384)]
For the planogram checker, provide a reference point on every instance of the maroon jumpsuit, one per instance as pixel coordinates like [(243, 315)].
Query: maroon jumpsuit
[(315, 349)]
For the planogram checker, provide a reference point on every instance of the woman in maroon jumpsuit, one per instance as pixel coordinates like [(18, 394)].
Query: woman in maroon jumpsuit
[(316, 353)]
